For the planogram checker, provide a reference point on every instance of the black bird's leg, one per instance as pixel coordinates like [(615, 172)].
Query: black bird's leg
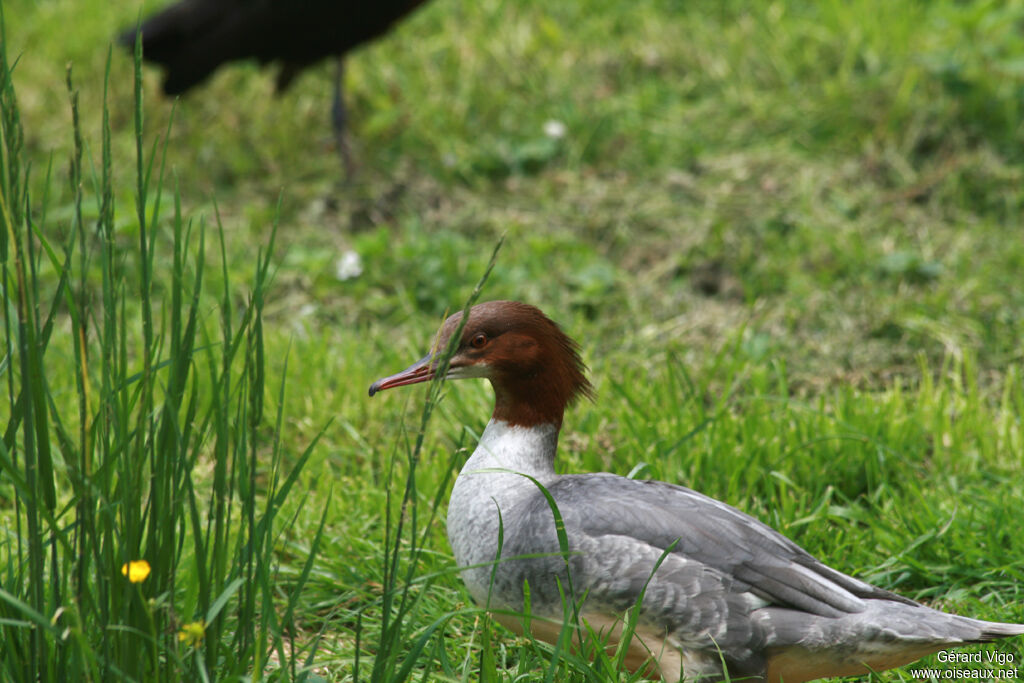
[(339, 121)]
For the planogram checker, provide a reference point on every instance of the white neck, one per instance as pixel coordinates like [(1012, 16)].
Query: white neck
[(524, 450)]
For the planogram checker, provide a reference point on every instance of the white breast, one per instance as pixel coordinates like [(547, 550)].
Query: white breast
[(492, 480)]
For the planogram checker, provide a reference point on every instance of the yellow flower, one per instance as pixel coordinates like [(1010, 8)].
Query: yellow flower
[(191, 634), (137, 570)]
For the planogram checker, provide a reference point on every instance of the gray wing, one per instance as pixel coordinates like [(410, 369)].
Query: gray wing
[(731, 587), (754, 556)]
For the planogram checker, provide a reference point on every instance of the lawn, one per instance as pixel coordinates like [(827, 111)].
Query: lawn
[(786, 234)]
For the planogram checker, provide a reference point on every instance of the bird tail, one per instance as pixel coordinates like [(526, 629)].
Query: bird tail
[(991, 630), (885, 635)]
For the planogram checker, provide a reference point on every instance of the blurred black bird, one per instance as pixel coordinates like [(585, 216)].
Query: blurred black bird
[(192, 38)]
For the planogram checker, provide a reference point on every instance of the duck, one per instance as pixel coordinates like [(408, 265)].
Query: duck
[(191, 39), (720, 594)]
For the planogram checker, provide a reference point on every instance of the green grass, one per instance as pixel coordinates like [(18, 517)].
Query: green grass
[(125, 558), (787, 235)]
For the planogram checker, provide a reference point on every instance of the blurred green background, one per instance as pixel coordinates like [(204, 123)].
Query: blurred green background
[(794, 227)]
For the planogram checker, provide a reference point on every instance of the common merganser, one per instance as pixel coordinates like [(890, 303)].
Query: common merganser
[(732, 597)]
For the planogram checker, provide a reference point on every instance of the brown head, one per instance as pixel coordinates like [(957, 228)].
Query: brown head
[(535, 368)]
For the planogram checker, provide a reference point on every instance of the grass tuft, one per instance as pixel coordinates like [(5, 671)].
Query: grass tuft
[(120, 565)]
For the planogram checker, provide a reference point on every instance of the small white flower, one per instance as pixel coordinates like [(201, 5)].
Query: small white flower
[(349, 266), (554, 129)]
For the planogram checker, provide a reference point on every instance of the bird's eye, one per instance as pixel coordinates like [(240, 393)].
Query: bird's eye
[(479, 341)]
